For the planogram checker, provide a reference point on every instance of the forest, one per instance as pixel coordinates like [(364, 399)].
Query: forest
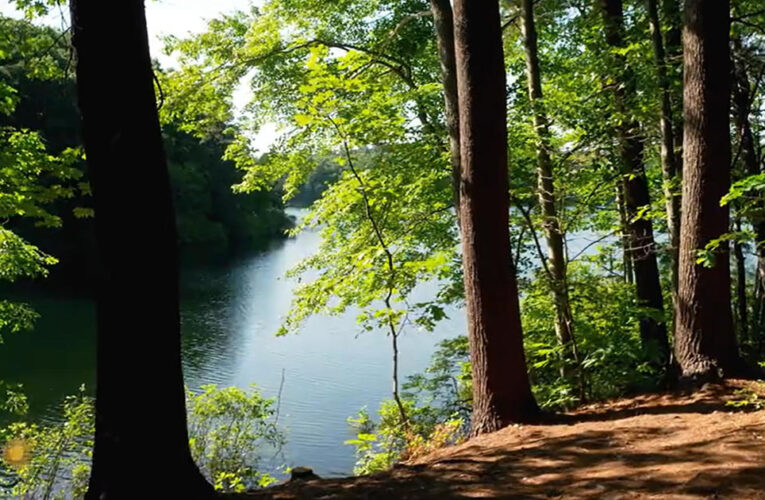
[(577, 185)]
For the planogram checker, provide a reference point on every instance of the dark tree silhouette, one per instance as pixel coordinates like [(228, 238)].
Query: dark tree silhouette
[(140, 407), (501, 390)]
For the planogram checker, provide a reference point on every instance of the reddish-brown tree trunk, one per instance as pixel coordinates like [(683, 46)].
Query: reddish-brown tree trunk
[(705, 342), (140, 397), (642, 247), (501, 389)]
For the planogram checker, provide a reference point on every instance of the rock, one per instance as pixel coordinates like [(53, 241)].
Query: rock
[(302, 474)]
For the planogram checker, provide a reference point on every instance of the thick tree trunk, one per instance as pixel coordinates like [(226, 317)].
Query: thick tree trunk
[(444, 23), (642, 247), (705, 342), (140, 401), (668, 161), (546, 186), (501, 389)]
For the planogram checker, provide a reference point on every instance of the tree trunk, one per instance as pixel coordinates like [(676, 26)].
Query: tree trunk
[(741, 308), (629, 275), (642, 247), (742, 105), (140, 400), (444, 23), (705, 342), (673, 20), (501, 389), (668, 162), (546, 186)]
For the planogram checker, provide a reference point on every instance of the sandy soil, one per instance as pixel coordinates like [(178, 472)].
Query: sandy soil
[(668, 446)]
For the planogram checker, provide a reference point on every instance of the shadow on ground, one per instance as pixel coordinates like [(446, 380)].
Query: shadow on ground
[(660, 446)]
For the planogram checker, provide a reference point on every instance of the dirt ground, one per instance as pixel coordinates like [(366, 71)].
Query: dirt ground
[(668, 446)]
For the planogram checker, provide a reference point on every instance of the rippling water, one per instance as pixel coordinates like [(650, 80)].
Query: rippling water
[(229, 316)]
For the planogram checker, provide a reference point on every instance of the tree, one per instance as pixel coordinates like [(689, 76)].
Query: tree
[(443, 19), (501, 390), (668, 157), (642, 247), (33, 176), (556, 265), (705, 344), (137, 248)]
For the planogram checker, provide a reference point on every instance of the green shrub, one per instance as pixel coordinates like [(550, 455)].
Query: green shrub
[(228, 429)]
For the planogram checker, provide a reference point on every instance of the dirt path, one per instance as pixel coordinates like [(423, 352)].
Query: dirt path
[(666, 446)]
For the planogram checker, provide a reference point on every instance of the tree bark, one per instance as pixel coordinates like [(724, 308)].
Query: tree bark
[(629, 275), (642, 247), (705, 342), (140, 399), (444, 22), (546, 186), (742, 104), (673, 42), (668, 161), (501, 389), (742, 316)]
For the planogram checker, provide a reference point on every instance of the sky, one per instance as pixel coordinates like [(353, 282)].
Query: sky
[(171, 17)]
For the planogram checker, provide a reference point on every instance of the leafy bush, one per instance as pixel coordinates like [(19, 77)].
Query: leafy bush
[(50, 461), (612, 360), (228, 428), (437, 405), (381, 444)]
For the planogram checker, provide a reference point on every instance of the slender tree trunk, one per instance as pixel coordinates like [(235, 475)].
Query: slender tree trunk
[(140, 398), (742, 104), (546, 186), (741, 308), (668, 161), (444, 23), (629, 275), (642, 250), (705, 342), (673, 42), (501, 389)]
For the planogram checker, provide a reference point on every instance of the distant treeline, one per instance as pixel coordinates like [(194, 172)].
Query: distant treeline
[(213, 221)]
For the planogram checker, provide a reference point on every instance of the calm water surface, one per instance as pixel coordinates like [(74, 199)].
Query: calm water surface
[(229, 316)]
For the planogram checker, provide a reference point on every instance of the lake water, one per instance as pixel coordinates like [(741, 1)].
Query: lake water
[(230, 313), (229, 316)]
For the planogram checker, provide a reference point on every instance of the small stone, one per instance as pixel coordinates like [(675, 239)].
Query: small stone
[(302, 474)]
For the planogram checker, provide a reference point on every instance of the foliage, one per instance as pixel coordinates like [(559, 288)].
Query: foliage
[(747, 398), (437, 404), (50, 461), (208, 213), (229, 430), (380, 444), (613, 362), (31, 178), (446, 384)]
